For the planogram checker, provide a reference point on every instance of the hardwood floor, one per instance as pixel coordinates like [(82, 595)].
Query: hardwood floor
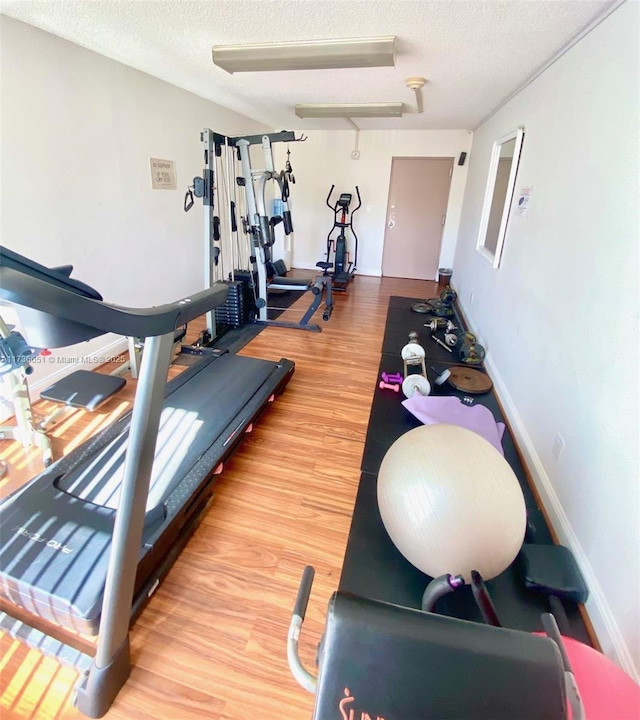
[(212, 641)]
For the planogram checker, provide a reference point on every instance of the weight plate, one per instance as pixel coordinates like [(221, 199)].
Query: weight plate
[(443, 377), (469, 381), (439, 308), (421, 307), (415, 384), (448, 296), (472, 354), (466, 338), (412, 351)]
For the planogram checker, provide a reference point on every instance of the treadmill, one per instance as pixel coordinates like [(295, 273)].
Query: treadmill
[(85, 543)]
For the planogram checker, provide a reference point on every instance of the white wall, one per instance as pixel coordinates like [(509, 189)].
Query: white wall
[(325, 159), (78, 130), (560, 316)]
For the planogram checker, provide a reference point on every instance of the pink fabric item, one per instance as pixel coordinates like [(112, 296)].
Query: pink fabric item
[(607, 692), (452, 411)]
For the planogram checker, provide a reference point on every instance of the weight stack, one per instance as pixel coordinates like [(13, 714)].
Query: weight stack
[(249, 280), (233, 312)]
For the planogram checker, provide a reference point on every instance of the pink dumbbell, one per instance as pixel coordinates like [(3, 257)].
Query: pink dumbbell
[(383, 385), (395, 378)]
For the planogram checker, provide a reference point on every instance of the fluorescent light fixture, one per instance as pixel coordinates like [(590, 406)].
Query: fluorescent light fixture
[(366, 110), (309, 55)]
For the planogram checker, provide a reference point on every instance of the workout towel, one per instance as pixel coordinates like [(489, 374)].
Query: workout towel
[(451, 410)]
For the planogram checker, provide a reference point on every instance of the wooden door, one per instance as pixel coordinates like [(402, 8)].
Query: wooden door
[(416, 211)]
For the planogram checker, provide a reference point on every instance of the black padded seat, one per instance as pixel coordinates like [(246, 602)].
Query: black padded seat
[(382, 660), (552, 570), (286, 283), (83, 389)]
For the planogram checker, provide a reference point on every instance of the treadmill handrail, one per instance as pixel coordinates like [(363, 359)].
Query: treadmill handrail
[(22, 289)]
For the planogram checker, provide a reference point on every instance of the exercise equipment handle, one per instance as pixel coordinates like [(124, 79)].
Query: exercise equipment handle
[(299, 672), (359, 202), (302, 600), (234, 221), (288, 222), (329, 205), (550, 626), (437, 588), (483, 600)]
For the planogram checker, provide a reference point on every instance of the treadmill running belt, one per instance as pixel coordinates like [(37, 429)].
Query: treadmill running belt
[(57, 529), (193, 416)]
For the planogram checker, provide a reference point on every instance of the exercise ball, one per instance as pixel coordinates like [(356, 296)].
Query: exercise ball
[(451, 503)]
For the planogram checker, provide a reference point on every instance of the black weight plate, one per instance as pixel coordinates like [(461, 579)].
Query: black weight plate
[(472, 354), (439, 308), (421, 307), (448, 296)]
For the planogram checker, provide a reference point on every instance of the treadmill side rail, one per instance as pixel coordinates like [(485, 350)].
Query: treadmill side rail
[(111, 666), (56, 311), (99, 687)]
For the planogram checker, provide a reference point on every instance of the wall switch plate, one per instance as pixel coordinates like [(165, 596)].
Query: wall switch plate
[(470, 297), (355, 154)]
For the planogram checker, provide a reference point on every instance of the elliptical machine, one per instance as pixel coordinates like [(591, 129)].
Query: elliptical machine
[(344, 268)]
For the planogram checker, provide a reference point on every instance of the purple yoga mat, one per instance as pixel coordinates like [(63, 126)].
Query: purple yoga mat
[(451, 410)]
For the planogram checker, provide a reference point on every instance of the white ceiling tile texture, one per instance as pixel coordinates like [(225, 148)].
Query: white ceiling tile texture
[(474, 53)]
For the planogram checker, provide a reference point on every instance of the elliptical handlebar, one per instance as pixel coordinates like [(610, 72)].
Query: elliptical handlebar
[(359, 201), (329, 205)]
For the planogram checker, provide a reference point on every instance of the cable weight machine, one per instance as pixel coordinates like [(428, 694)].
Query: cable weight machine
[(223, 245), (222, 250)]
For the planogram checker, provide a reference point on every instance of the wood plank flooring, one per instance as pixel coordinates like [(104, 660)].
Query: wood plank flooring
[(212, 641)]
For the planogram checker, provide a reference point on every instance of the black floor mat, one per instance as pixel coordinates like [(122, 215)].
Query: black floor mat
[(373, 567), (235, 339), (389, 420), (401, 320)]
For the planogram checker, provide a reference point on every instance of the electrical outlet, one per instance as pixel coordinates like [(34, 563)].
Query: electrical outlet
[(355, 154), (369, 208), (558, 445)]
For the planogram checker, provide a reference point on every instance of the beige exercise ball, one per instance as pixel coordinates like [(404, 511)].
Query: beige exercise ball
[(451, 503)]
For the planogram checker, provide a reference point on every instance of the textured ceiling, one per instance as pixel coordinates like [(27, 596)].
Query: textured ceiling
[(474, 54)]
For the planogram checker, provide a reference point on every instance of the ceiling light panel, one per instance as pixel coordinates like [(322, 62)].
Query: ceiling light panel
[(364, 110), (310, 55)]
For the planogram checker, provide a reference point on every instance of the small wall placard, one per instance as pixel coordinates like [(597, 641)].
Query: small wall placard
[(524, 198), (163, 174)]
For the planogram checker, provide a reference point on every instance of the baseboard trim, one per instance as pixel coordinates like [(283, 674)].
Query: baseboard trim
[(598, 610)]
